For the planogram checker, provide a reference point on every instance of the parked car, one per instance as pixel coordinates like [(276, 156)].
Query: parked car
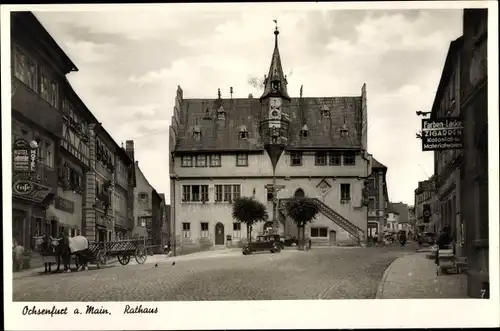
[(427, 238), (289, 241), (269, 242)]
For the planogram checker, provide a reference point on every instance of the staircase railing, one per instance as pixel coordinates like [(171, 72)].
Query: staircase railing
[(335, 217)]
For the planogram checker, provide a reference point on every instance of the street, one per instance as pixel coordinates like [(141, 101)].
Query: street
[(321, 273)]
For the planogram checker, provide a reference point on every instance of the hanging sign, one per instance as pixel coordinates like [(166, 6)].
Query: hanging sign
[(442, 134), (23, 156)]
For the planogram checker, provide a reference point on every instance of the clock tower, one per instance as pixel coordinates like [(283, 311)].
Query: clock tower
[(275, 120)]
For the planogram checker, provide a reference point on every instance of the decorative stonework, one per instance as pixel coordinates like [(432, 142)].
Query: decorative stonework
[(324, 187)]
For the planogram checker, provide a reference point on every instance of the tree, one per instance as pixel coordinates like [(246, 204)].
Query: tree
[(302, 211), (249, 211)]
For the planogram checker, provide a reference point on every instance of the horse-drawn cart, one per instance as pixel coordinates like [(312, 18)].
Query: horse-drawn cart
[(98, 253)]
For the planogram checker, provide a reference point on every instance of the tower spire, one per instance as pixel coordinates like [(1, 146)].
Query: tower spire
[(275, 83)]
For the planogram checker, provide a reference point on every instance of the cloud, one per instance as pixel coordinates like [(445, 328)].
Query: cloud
[(132, 61)]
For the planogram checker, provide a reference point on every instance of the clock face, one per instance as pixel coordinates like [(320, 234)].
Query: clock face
[(275, 103)]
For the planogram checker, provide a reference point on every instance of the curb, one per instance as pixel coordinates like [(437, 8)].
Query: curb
[(380, 288)]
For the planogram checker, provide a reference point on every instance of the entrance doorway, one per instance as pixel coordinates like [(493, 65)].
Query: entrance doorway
[(19, 226), (268, 227), (219, 234), (299, 193), (333, 238)]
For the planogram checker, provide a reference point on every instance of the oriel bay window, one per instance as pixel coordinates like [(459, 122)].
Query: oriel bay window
[(25, 69), (194, 193)]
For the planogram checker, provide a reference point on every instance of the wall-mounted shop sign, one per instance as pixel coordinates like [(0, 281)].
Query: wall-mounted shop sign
[(442, 134), (65, 205), (28, 190), (23, 156)]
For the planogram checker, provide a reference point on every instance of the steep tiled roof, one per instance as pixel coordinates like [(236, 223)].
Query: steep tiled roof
[(377, 164), (223, 134)]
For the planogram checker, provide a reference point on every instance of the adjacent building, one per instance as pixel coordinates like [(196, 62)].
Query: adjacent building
[(378, 199), (146, 202), (156, 215), (68, 173), (165, 221), (447, 163), (38, 68), (218, 153), (426, 214), (474, 176)]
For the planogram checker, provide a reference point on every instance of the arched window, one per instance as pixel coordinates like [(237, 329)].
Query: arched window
[(299, 193)]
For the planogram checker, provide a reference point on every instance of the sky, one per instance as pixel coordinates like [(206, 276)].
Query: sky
[(130, 63)]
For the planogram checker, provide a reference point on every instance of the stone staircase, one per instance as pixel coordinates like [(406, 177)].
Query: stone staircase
[(335, 217)]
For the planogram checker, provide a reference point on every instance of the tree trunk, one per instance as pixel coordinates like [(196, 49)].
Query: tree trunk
[(300, 237), (249, 237)]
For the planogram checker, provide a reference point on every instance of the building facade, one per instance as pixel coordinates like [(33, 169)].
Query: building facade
[(145, 224), (165, 220), (68, 173), (378, 199), (474, 113), (426, 212), (447, 163), (218, 154), (156, 226), (39, 67)]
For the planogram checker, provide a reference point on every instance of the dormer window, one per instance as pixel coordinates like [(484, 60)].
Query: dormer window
[(221, 114), (304, 132), (325, 111), (243, 132), (344, 132), (197, 133)]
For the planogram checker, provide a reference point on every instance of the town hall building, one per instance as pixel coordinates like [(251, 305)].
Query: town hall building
[(224, 148)]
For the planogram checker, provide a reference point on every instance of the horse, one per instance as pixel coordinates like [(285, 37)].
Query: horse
[(49, 249), (55, 249), (78, 246)]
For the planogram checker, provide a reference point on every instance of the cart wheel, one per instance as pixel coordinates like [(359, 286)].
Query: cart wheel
[(141, 254), (124, 260), (100, 259)]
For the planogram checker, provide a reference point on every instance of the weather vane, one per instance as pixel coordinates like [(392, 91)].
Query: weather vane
[(276, 22)]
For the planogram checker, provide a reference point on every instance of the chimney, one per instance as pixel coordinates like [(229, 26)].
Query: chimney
[(129, 149), (250, 96)]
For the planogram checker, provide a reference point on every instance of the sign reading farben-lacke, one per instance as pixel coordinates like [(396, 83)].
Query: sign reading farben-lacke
[(442, 134)]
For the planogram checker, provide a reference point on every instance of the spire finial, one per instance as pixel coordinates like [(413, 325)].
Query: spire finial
[(218, 93), (276, 32)]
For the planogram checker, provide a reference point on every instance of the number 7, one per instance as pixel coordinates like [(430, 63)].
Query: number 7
[(483, 293)]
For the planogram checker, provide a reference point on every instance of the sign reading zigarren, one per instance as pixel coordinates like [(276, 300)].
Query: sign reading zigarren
[(442, 134)]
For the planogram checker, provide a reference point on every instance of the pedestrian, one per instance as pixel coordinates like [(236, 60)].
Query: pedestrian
[(65, 251), (443, 242), (375, 239), (402, 238), (17, 255)]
